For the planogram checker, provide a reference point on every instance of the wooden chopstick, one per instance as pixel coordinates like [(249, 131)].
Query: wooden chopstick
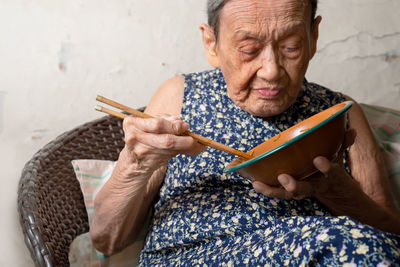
[(201, 139), (111, 112)]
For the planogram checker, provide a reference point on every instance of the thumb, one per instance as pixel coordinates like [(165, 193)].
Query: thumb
[(323, 165)]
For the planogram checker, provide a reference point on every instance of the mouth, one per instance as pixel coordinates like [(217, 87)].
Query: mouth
[(268, 92)]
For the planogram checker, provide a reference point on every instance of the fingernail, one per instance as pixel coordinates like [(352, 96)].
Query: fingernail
[(185, 126), (173, 118), (175, 126), (257, 187), (317, 161), (283, 180)]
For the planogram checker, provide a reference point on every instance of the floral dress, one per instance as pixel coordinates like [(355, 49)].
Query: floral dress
[(205, 217)]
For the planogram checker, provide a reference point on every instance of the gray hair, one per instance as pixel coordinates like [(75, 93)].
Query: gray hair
[(214, 8)]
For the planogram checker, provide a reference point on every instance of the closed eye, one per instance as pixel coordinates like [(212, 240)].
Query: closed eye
[(249, 52), (291, 49)]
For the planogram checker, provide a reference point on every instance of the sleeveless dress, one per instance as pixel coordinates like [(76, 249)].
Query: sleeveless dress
[(205, 217)]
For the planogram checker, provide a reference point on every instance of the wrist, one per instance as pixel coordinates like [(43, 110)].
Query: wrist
[(130, 165), (129, 173), (353, 202), (343, 198)]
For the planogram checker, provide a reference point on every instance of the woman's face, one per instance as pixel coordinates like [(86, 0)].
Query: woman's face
[(263, 50)]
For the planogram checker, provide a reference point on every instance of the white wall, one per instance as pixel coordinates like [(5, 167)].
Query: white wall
[(359, 50), (56, 56)]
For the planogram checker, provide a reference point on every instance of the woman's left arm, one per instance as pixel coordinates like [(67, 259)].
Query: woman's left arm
[(338, 191), (343, 195), (364, 196), (366, 160)]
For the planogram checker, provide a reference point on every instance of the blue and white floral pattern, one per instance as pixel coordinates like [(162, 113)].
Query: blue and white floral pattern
[(205, 217)]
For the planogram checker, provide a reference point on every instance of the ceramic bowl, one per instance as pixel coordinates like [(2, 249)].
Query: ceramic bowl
[(293, 150)]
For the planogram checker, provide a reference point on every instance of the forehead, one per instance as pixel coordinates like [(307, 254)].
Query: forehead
[(265, 16)]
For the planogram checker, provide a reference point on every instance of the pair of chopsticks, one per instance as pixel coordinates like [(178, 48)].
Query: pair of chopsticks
[(201, 139)]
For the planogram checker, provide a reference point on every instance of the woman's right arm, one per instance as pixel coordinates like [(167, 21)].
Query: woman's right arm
[(122, 205)]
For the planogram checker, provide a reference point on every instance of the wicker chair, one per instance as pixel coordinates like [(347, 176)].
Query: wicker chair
[(50, 202)]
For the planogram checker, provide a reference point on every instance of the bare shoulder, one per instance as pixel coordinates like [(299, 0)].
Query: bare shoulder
[(168, 98), (358, 121), (357, 117), (365, 147)]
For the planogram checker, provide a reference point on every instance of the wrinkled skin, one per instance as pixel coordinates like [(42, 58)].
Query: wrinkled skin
[(151, 143), (263, 51)]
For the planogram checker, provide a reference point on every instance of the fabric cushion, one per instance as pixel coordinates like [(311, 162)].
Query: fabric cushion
[(385, 124), (92, 175)]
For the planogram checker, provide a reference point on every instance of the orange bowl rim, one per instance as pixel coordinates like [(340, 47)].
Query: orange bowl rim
[(347, 106)]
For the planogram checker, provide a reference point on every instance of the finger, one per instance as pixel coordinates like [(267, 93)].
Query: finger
[(143, 145), (149, 132), (169, 117), (270, 191), (170, 142), (176, 120), (350, 137), (156, 125), (348, 141), (192, 150), (296, 189), (323, 165)]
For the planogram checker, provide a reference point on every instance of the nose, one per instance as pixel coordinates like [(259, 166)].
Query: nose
[(270, 67)]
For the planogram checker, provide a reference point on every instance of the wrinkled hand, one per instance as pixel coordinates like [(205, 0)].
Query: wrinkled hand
[(151, 143), (332, 180)]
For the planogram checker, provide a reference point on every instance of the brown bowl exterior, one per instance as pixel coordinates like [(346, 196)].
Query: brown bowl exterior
[(296, 159)]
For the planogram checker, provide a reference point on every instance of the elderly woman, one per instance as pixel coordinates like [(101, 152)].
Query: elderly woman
[(260, 50)]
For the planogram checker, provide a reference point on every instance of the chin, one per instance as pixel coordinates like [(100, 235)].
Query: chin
[(266, 110), (266, 114)]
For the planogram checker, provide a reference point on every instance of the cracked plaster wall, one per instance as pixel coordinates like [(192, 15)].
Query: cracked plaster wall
[(57, 55), (359, 50)]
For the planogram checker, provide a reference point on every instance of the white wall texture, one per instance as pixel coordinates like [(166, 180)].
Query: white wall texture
[(56, 56)]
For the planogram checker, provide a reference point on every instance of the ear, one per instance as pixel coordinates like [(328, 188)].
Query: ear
[(314, 36), (210, 44)]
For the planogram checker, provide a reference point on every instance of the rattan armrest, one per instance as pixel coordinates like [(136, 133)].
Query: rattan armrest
[(50, 202)]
